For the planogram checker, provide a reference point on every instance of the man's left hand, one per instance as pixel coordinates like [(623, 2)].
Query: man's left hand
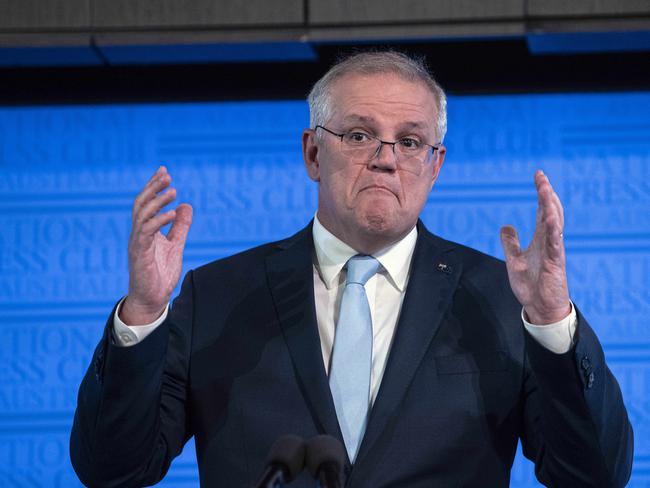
[(537, 275)]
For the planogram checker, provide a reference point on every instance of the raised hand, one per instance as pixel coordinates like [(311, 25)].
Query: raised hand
[(538, 275), (155, 260)]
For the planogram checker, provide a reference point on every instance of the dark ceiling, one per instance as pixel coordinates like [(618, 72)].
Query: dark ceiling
[(462, 67)]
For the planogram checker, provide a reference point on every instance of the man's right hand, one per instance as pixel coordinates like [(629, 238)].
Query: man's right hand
[(155, 260)]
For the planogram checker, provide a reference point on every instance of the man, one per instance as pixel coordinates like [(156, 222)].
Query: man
[(408, 348)]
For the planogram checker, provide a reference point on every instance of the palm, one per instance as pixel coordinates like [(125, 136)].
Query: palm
[(537, 275), (160, 268)]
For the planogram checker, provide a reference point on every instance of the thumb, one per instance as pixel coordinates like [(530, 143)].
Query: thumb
[(510, 242), (182, 222)]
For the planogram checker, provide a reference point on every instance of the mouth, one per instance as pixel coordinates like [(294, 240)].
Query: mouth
[(378, 188)]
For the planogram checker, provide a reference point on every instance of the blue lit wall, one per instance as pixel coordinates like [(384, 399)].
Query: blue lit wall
[(68, 176)]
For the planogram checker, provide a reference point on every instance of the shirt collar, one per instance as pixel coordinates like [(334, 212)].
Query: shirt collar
[(332, 254)]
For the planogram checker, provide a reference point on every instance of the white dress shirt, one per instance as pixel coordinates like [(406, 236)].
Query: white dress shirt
[(385, 293)]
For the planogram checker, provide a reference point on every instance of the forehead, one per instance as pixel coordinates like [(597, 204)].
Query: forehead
[(384, 98)]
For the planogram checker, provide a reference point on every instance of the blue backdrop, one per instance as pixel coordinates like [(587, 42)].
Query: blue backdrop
[(68, 176)]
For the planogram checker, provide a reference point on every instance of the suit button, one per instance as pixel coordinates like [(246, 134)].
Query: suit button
[(590, 380), (585, 363)]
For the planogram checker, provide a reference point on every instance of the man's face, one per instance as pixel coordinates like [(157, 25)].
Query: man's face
[(375, 200)]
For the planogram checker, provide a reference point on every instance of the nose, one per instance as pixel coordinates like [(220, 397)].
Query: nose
[(385, 157)]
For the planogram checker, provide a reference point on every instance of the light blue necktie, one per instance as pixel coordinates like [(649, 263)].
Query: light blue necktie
[(352, 354)]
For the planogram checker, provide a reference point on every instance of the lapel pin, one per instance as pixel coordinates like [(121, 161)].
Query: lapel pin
[(445, 268)]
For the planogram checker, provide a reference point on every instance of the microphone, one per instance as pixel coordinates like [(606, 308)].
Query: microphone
[(285, 461), (325, 459)]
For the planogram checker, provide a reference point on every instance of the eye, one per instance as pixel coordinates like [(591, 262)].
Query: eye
[(409, 144), (357, 138)]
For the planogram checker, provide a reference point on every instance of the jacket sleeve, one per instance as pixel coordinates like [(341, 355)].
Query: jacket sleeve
[(576, 428), (131, 418)]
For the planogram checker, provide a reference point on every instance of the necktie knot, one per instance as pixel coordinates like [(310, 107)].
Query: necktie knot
[(361, 269)]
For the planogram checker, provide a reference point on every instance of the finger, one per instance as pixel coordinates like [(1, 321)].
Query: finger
[(151, 208), (155, 177), (544, 184), (548, 230), (153, 225), (544, 189), (556, 203), (559, 208), (159, 172), (553, 236), (510, 242), (551, 212), (549, 233), (157, 184), (549, 208), (181, 225)]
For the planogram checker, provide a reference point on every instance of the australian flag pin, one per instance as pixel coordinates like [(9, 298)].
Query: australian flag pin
[(445, 268)]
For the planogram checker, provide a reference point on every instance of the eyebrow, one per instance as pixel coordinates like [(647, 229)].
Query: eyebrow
[(358, 118), (370, 120)]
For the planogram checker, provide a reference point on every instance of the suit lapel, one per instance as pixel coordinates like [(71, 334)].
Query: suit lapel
[(433, 280), (290, 277)]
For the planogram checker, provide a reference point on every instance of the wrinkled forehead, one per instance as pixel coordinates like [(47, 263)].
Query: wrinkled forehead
[(369, 98)]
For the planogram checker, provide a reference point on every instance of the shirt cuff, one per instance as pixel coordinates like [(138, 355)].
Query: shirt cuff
[(556, 337), (126, 335)]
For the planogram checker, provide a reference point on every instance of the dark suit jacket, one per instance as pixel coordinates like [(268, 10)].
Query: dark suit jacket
[(238, 364)]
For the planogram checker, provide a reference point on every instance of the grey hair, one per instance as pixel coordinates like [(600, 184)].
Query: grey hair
[(370, 63)]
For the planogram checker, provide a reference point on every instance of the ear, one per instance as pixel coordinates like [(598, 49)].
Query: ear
[(310, 154), (437, 159)]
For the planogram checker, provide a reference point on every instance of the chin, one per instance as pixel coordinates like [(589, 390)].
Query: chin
[(381, 223)]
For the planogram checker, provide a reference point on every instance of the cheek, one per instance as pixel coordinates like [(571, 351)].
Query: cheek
[(338, 188), (346, 181), (417, 199), (414, 193)]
